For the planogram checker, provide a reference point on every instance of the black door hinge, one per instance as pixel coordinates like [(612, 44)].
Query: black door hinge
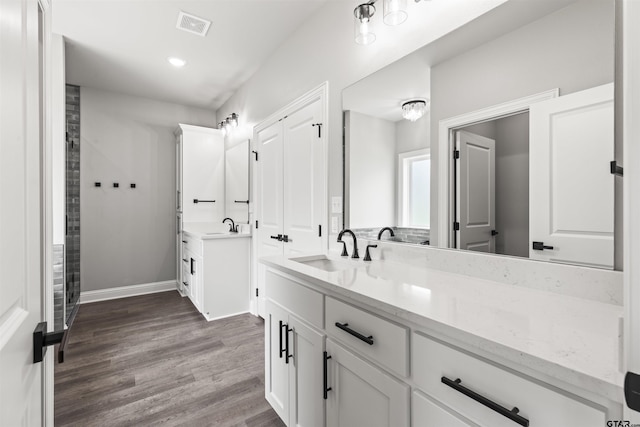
[(319, 129), (256, 224), (615, 169), (456, 226), (632, 390), (256, 153), (456, 154), (257, 292)]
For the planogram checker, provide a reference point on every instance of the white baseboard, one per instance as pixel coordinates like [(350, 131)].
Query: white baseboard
[(126, 291), (209, 319)]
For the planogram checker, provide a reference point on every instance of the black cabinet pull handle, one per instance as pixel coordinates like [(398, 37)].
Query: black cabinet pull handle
[(203, 201), (241, 201), (193, 270), (280, 345), (184, 241), (511, 414), (540, 246), (287, 356), (325, 389), (185, 260), (185, 283), (345, 327)]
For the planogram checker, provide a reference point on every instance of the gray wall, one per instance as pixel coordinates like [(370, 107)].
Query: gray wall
[(571, 49), (128, 235), (372, 170), (411, 136)]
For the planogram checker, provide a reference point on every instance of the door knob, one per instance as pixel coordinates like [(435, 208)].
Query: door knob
[(494, 233)]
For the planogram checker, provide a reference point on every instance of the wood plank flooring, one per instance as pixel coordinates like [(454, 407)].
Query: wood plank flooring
[(154, 360)]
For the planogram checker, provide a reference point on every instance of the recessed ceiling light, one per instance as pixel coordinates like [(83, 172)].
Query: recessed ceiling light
[(176, 62)]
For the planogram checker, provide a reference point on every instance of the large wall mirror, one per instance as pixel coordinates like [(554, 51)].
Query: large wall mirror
[(496, 138), (236, 182)]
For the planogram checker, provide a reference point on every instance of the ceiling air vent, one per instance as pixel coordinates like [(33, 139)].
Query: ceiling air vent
[(193, 24)]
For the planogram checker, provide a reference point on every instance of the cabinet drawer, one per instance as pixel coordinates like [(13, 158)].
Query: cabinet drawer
[(376, 338), (295, 297), (434, 363), (191, 244)]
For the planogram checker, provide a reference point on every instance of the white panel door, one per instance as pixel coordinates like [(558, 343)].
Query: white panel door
[(571, 187), (276, 371), (269, 201), (361, 394), (305, 376), (304, 179), (476, 189), (21, 390)]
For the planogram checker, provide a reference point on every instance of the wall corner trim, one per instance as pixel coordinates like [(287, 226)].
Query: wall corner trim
[(127, 291)]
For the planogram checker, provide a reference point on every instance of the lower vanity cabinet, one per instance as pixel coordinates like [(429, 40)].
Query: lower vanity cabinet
[(360, 394), (492, 396), (293, 368), (427, 413), (192, 278)]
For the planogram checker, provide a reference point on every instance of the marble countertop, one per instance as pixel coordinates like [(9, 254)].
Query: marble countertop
[(211, 230), (574, 340)]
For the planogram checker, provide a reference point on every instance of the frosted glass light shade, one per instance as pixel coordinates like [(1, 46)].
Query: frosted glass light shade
[(413, 110), (363, 26), (394, 12)]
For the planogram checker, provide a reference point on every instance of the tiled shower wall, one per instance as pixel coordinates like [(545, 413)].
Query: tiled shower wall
[(72, 241)]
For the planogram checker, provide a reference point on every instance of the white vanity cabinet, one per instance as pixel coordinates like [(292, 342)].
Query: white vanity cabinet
[(217, 273), (294, 354), (377, 369)]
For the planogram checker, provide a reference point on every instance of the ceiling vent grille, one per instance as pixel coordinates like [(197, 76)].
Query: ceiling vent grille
[(193, 24)]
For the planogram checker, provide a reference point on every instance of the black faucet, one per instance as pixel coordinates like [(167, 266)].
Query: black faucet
[(355, 243), (385, 229), (233, 228)]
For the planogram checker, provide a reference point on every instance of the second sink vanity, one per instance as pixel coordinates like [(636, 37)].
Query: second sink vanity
[(411, 336)]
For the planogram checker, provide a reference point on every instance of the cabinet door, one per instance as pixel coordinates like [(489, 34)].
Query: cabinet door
[(362, 394), (426, 413), (276, 371), (304, 179), (305, 375), (197, 287), (186, 276)]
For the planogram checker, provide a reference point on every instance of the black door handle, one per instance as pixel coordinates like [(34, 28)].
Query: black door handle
[(540, 246), (511, 414), (278, 237), (286, 239), (494, 233), (325, 389)]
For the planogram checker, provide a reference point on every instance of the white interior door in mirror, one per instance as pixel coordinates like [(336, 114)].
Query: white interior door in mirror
[(571, 187), (475, 193)]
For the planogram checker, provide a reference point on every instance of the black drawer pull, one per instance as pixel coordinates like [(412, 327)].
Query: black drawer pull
[(325, 389), (511, 414), (185, 283), (345, 327), (185, 260)]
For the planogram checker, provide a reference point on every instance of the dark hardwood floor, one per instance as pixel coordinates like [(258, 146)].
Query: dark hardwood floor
[(154, 360)]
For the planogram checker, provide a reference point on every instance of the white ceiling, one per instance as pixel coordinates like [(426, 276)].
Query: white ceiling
[(123, 45)]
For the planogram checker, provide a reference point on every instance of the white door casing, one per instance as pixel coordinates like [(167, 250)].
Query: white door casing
[(476, 188), (571, 194), (303, 179), (21, 222)]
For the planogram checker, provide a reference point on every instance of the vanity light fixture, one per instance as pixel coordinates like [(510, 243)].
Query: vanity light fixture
[(176, 62), (229, 123), (394, 13), (414, 109), (363, 26)]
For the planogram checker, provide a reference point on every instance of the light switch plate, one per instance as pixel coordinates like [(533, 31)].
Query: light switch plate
[(336, 205)]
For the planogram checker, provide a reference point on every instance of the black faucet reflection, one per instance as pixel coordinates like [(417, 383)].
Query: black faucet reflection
[(355, 243), (233, 228), (386, 229)]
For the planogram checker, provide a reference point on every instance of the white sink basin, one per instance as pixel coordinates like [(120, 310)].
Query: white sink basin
[(321, 262)]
